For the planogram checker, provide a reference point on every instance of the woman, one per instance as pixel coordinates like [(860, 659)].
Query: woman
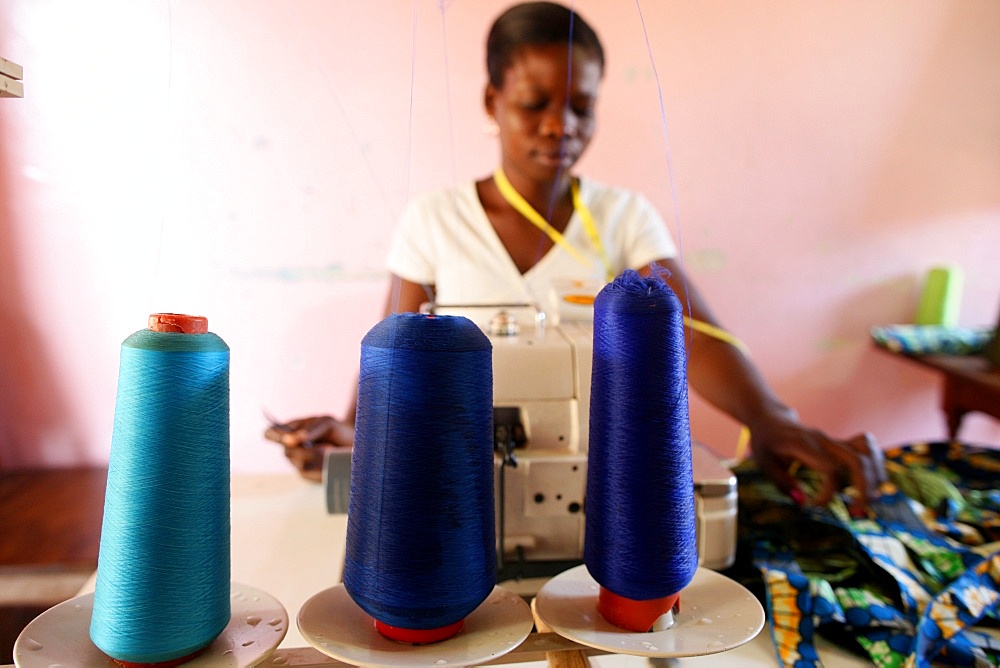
[(478, 244)]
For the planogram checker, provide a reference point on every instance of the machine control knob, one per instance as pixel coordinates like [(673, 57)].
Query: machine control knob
[(504, 324)]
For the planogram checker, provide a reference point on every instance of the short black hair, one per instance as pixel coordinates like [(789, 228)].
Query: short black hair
[(536, 24)]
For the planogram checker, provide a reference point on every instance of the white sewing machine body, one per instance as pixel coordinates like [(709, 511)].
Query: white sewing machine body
[(541, 395)]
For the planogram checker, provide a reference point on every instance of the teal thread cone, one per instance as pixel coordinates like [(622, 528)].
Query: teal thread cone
[(163, 574)]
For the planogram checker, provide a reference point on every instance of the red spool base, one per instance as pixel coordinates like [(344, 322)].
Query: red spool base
[(419, 636), (632, 615), (170, 663)]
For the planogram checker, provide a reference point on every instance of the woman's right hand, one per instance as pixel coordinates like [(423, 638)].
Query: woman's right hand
[(306, 441), (310, 432)]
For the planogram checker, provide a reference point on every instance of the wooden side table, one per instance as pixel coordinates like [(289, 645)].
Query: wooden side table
[(50, 532), (971, 383)]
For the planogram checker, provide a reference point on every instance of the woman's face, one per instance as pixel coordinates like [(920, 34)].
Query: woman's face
[(545, 111)]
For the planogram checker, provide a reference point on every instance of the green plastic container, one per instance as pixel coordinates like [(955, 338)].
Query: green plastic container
[(941, 298)]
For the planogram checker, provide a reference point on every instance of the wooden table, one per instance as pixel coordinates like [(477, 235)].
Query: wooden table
[(971, 384), (286, 544), (50, 529)]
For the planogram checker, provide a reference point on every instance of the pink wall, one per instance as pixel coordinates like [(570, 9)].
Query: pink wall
[(247, 161)]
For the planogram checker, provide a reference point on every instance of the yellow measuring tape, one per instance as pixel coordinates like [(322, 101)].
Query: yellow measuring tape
[(523, 207)]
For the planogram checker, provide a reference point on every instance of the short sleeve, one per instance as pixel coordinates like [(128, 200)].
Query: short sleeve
[(633, 231), (411, 253), (648, 239)]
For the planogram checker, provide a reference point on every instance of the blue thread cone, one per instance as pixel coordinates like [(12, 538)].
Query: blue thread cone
[(640, 532), (420, 536)]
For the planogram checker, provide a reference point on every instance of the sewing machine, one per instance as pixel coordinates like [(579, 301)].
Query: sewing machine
[(541, 398)]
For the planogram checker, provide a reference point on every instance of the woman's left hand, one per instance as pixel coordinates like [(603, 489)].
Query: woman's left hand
[(781, 444)]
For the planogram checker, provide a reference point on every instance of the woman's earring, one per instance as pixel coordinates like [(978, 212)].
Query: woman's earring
[(490, 127)]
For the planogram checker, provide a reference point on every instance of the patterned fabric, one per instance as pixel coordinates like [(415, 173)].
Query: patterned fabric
[(915, 583), (932, 339)]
